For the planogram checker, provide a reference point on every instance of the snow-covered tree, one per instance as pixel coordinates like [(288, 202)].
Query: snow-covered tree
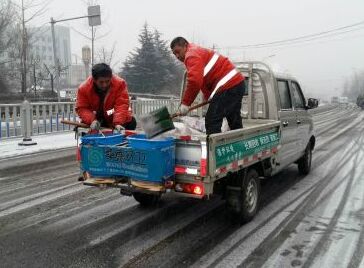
[(170, 68), (150, 68)]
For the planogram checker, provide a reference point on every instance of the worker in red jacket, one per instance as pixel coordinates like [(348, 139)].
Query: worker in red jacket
[(103, 101), (218, 80)]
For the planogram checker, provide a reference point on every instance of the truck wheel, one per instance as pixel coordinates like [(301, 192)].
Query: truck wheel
[(251, 195), (146, 200), (304, 164), (245, 202)]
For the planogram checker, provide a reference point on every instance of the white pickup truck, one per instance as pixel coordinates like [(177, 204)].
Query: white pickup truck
[(277, 132)]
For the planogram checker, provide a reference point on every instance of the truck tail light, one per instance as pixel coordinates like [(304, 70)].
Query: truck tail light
[(197, 189), (203, 167), (185, 138), (190, 188)]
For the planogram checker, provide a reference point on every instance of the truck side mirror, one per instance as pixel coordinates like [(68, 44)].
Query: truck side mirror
[(312, 103)]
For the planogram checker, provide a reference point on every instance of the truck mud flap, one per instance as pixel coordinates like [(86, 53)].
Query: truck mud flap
[(234, 197)]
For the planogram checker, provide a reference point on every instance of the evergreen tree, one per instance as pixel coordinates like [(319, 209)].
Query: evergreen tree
[(151, 67), (170, 68)]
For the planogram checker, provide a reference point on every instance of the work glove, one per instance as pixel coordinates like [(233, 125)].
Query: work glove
[(183, 109), (95, 125), (119, 128)]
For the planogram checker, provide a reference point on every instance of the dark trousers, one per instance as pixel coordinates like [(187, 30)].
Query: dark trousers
[(225, 104), (128, 126), (131, 125)]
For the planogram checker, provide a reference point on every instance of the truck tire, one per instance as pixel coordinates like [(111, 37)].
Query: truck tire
[(244, 203), (146, 200), (304, 164)]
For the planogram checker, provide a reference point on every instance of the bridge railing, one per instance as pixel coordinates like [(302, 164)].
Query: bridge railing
[(45, 117)]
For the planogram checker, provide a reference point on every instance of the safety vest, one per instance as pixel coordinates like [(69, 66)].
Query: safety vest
[(223, 80)]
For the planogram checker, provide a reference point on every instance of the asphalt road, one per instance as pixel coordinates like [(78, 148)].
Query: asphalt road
[(48, 219)]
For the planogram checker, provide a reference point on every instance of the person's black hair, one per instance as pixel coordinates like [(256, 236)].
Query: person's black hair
[(180, 41), (101, 70)]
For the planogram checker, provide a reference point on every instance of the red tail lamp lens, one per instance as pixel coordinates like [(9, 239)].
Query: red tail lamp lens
[(197, 190), (190, 188)]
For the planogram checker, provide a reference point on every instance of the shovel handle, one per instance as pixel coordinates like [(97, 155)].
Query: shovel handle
[(83, 125), (76, 124), (191, 109)]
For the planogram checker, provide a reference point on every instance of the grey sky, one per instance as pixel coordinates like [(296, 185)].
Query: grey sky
[(320, 66)]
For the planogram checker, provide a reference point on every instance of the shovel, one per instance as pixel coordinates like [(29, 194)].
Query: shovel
[(160, 121), (83, 125)]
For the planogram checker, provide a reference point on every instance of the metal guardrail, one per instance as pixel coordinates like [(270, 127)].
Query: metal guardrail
[(43, 118), (17, 120), (140, 107)]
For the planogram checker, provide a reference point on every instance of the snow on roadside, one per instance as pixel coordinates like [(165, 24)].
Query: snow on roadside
[(10, 147)]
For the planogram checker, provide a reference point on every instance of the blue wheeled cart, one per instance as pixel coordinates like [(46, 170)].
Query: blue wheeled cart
[(138, 166)]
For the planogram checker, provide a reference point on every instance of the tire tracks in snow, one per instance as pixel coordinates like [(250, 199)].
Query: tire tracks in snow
[(274, 241)]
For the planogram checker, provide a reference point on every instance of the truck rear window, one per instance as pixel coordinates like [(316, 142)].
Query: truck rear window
[(284, 95)]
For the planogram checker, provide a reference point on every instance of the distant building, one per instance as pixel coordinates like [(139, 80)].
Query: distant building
[(77, 74), (41, 44), (41, 48)]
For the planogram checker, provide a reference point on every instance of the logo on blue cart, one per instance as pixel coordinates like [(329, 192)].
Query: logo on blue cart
[(96, 157)]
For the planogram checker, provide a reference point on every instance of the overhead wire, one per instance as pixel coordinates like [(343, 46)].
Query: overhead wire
[(304, 38)]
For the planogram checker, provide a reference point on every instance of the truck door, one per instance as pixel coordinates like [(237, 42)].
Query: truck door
[(288, 125), (302, 118)]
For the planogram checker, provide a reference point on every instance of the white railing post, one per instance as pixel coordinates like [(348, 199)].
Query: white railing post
[(27, 124), (171, 106)]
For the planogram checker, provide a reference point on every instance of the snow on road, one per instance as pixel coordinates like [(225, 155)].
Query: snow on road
[(47, 219), (10, 147)]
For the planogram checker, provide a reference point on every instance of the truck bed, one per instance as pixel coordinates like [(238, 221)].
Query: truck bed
[(209, 158)]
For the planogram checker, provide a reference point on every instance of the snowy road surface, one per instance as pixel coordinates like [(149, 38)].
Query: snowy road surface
[(54, 141), (48, 219)]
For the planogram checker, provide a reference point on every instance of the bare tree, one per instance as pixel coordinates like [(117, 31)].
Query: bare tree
[(6, 14), (30, 9), (106, 55), (19, 37)]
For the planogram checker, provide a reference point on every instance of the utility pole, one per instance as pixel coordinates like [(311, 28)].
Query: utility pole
[(92, 45), (34, 79), (56, 60), (52, 77), (24, 53)]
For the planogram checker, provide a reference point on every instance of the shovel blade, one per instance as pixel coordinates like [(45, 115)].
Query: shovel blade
[(156, 122)]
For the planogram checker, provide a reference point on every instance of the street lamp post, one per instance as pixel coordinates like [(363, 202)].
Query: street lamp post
[(56, 61), (94, 19)]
